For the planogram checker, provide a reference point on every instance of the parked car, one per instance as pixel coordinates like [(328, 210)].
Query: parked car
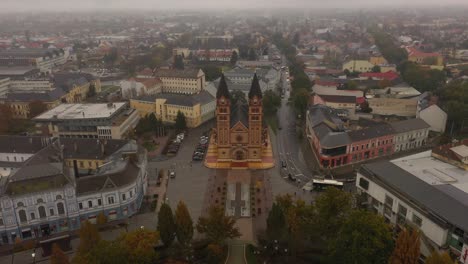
[(172, 174), (283, 164), (291, 177)]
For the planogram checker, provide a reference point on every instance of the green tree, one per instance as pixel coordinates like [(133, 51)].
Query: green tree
[(58, 256), (407, 248), (376, 68), (271, 102), (363, 238), (252, 54), (234, 57), (296, 38), (178, 62), (36, 108), (166, 224), (6, 118), (180, 122), (217, 226), (184, 224), (301, 101), (276, 224), (332, 209), (437, 257), (212, 72), (91, 90), (238, 96)]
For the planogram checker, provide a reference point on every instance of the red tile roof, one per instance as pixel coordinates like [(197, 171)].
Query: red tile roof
[(390, 75), (412, 51)]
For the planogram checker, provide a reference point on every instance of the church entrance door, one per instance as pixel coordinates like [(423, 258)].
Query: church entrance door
[(239, 155)]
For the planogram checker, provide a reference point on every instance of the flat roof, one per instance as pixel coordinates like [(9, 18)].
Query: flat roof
[(81, 111), (436, 186)]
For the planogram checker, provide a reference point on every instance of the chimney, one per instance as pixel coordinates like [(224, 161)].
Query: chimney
[(30, 140), (103, 150), (75, 146)]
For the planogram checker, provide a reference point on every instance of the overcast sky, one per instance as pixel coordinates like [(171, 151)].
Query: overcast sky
[(71, 5)]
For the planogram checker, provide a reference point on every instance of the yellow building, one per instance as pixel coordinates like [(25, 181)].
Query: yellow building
[(358, 66), (197, 108), (378, 60), (426, 58), (64, 88), (189, 81)]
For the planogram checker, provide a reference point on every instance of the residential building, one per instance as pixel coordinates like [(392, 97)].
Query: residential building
[(426, 58), (53, 90), (19, 72), (410, 134), (63, 182), (197, 108), (103, 121), (188, 81), (135, 87), (424, 192), (389, 75), (347, 103), (358, 66), (393, 106), (43, 59), (323, 88), (429, 111), (241, 79), (336, 144)]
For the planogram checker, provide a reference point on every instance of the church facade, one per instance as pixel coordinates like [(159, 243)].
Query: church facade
[(239, 139)]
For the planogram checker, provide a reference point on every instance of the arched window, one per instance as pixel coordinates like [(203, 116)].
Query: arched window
[(22, 216), (58, 197), (20, 204), (60, 209), (42, 212), (40, 200)]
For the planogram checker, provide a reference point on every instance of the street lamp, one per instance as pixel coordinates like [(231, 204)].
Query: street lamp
[(142, 227), (34, 256)]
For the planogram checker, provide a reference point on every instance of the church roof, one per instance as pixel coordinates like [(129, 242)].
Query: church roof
[(240, 113), (222, 88), (255, 88)]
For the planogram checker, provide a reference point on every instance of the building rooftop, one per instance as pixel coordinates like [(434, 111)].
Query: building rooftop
[(187, 73), (48, 96), (371, 132), (23, 144), (202, 97), (339, 98), (29, 53), (409, 125), (17, 70), (436, 186), (81, 111)]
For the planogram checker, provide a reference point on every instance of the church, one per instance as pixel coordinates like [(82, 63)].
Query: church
[(240, 139)]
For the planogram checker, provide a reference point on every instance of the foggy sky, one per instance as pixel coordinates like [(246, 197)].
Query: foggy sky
[(75, 5)]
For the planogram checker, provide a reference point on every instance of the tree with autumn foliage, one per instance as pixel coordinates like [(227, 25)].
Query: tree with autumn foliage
[(407, 247), (89, 236), (217, 226), (139, 246), (183, 223), (437, 257), (58, 256)]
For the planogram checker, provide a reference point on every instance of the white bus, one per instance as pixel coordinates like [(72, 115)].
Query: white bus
[(320, 185)]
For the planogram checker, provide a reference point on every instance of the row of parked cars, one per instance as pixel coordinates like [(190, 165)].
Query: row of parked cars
[(174, 146), (200, 150)]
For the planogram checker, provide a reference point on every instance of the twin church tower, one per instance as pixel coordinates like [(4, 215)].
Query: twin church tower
[(239, 136)]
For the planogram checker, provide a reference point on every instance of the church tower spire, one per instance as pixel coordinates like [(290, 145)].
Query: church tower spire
[(255, 119), (223, 115)]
